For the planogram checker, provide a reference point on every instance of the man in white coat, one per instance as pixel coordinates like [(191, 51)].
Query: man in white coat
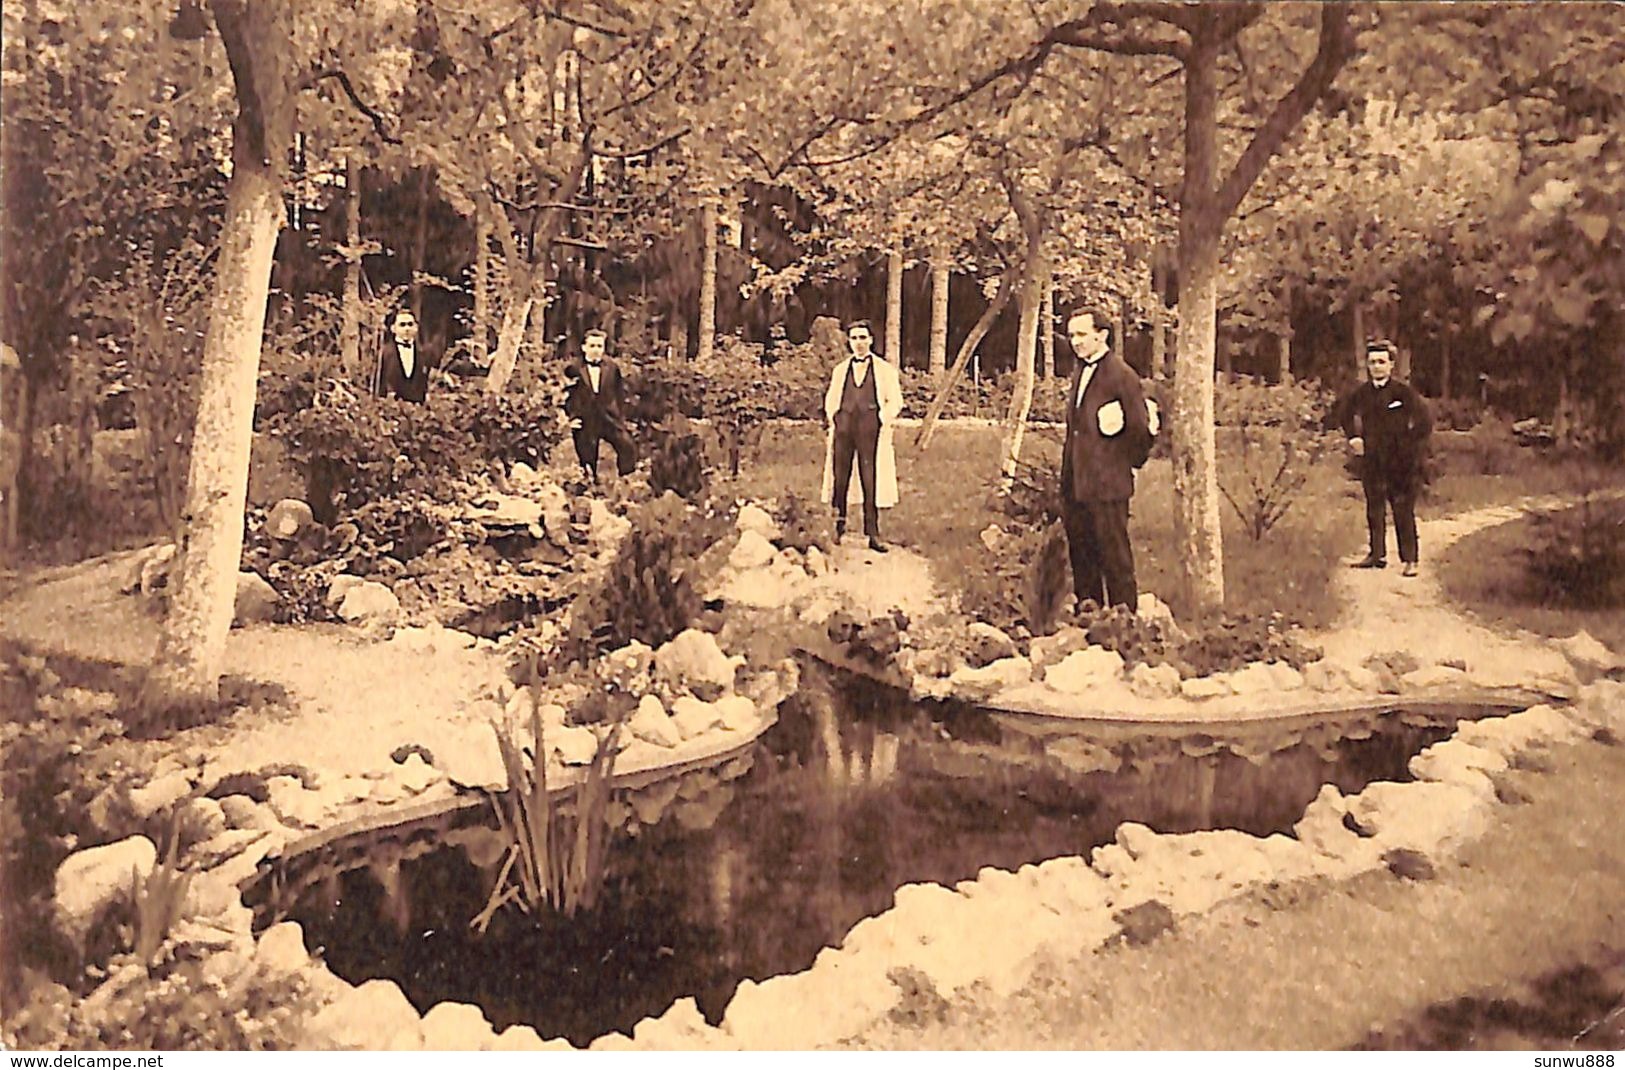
[(861, 406)]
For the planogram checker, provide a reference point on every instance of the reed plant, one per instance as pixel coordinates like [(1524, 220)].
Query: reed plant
[(159, 898), (556, 854)]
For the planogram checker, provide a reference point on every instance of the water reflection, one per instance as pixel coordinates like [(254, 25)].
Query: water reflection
[(750, 868)]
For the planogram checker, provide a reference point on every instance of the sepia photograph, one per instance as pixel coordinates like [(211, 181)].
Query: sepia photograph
[(812, 525)]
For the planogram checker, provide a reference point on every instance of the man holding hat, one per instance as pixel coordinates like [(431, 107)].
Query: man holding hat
[(1387, 424)]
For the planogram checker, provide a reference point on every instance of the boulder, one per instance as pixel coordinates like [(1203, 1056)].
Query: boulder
[(753, 517), (1324, 676), (1321, 826), (738, 713), (1284, 676), (292, 804), (606, 529), (1154, 681), (1433, 676), (986, 644), (149, 569), (990, 679), (287, 518), (555, 512), (694, 660), (1046, 650), (1587, 653), (628, 668), (574, 744), (375, 1016), (1456, 761), (751, 551), (993, 537), (457, 1027), (1152, 608), (1201, 688), (242, 812), (518, 1038), (1085, 670), (159, 794), (91, 880), (1432, 819), (817, 563), (695, 717), (340, 587), (205, 817), (1253, 679), (653, 724), (369, 602), (256, 602), (281, 950)]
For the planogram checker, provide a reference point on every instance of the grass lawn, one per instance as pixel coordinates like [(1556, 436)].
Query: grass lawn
[(945, 506), (1484, 572)]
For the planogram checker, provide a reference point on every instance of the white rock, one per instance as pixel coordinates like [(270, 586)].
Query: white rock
[(993, 537), (628, 667), (471, 760), (1602, 704), (1586, 651), (375, 1016), (1137, 839), (1324, 676), (1433, 676), (281, 950), (1084, 670), (292, 804), (223, 846), (695, 717), (987, 644), (256, 601), (1253, 679), (1430, 818), (990, 679), (457, 1027), (1199, 688), (751, 551), (1321, 826), (89, 881), (414, 775), (1152, 608), (368, 602), (605, 529), (518, 1038), (341, 586), (574, 744), (1154, 681), (287, 518), (205, 816), (1046, 650), (159, 794), (738, 713), (693, 659), (753, 517), (653, 724), (242, 812), (817, 563), (1455, 761), (679, 1028), (1284, 676)]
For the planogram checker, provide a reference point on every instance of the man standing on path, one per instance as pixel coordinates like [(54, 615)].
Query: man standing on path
[(864, 399), (594, 403), (1109, 430), (1387, 424)]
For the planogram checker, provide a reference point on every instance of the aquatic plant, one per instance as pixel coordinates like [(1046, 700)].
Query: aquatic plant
[(556, 856), (158, 899)]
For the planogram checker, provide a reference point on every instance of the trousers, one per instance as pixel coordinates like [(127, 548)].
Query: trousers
[(857, 435), (1102, 559), (592, 432), (1383, 490)]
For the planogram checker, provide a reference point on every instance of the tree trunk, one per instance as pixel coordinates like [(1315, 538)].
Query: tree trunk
[(1034, 291), (420, 244), (1357, 338), (1119, 343), (1196, 488), (14, 466), (482, 286), (940, 277), (894, 307), (679, 333), (1444, 364), (708, 280), (350, 326), (1159, 341), (203, 581), (1046, 328), (967, 350), (1283, 356), (510, 336)]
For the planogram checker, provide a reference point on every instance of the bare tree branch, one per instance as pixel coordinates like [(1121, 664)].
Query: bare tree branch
[(379, 120)]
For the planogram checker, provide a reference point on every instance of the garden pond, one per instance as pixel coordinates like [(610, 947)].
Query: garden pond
[(748, 867)]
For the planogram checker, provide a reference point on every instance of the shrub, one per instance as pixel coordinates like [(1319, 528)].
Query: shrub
[(677, 462), (1235, 640), (1576, 556), (1279, 440), (1138, 640)]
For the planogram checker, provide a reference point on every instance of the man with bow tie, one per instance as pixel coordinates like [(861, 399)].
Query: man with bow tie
[(594, 402), (404, 367), (1109, 431), (864, 399), (1387, 424)]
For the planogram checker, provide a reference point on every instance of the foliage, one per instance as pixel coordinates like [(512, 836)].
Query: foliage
[(1137, 639), (1043, 595), (677, 462), (1576, 556), (1235, 640), (802, 525), (555, 858), (171, 1006), (1279, 438), (159, 897)]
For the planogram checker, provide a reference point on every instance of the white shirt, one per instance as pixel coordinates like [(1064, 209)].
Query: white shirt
[(860, 370), (593, 372), (1083, 380), (408, 358)]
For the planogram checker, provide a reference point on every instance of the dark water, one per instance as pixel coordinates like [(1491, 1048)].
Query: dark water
[(751, 868)]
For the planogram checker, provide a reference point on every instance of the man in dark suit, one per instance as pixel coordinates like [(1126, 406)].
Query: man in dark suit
[(594, 403), (1387, 424), (404, 366), (1109, 431)]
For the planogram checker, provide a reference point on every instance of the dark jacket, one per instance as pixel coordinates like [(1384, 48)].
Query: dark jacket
[(586, 405), (392, 378), (1394, 422), (1097, 467)]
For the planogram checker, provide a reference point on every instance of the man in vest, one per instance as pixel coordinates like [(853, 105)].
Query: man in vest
[(1109, 431), (864, 399), (404, 366)]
